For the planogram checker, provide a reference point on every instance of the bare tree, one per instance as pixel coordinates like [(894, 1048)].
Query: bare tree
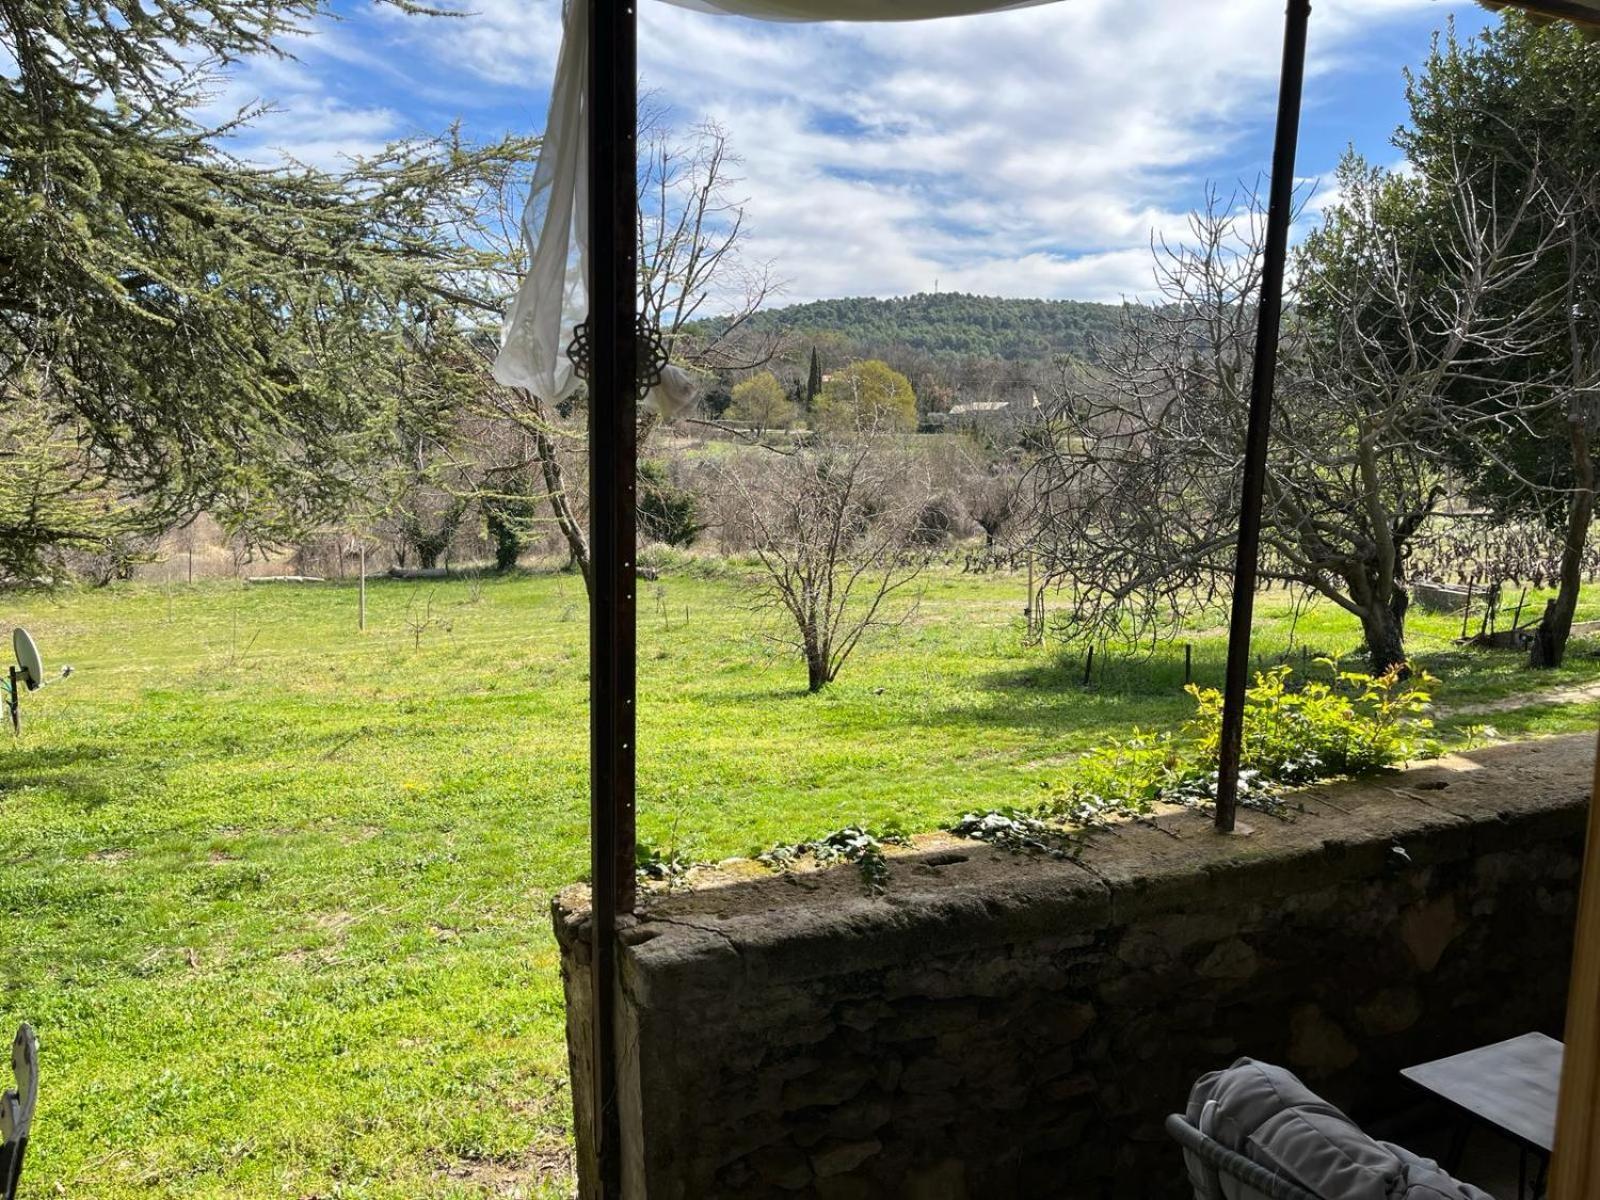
[(692, 234), (691, 247), (1137, 490), (834, 530), (988, 484)]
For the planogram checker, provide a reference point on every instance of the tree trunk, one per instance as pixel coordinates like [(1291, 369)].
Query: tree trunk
[(1555, 626), (816, 662), (1383, 626), (556, 492)]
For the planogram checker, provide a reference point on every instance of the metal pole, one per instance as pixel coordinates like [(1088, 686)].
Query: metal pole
[(613, 398), (1280, 211)]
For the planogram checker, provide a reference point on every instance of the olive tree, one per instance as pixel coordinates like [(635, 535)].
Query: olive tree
[(1137, 488)]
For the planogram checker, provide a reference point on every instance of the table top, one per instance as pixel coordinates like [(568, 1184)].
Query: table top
[(1512, 1085)]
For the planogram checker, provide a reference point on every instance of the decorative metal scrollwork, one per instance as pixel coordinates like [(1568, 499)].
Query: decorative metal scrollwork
[(652, 354)]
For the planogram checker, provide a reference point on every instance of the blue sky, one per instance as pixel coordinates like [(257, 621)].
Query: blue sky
[(1030, 153)]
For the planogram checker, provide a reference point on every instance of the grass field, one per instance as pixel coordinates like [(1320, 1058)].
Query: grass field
[(275, 893)]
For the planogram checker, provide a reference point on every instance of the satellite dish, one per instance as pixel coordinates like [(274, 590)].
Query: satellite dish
[(28, 673), (28, 658)]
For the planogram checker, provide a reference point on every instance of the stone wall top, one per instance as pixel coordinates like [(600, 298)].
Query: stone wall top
[(947, 893)]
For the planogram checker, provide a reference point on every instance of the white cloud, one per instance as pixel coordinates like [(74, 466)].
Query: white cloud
[(307, 119), (1025, 153)]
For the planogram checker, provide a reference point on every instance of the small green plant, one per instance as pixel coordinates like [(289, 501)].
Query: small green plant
[(1296, 731), (1126, 775), (661, 864), (854, 843), (1020, 830), (1301, 730)]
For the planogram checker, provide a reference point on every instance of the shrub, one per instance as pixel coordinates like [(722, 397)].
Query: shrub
[(1297, 731), (667, 513), (936, 521), (510, 507), (1124, 775)]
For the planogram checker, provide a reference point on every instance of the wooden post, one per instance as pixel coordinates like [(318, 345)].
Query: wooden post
[(1188, 663), (1466, 613), (1088, 667), (361, 591), (1575, 1169)]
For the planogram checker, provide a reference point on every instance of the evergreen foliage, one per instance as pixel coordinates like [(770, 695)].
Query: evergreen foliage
[(951, 324), (1519, 106), (667, 513), (212, 334)]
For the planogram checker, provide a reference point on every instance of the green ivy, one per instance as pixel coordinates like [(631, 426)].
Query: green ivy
[(854, 843)]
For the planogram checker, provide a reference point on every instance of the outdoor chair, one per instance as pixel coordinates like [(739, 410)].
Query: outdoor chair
[(16, 1110), (1255, 1132)]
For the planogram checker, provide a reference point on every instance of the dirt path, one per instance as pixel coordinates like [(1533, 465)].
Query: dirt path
[(1575, 694)]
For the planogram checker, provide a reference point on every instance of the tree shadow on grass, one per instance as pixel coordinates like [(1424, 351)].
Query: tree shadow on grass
[(65, 770)]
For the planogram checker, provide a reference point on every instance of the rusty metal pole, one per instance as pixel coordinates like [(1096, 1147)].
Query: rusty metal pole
[(612, 107), (1280, 211)]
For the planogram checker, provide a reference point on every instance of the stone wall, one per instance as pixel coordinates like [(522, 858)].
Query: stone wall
[(1009, 1026)]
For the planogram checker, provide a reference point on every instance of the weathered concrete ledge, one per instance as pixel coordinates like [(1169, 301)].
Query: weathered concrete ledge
[(1007, 1025)]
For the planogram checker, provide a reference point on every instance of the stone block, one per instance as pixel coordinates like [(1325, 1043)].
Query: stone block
[(836, 1156), (1317, 1044), (1428, 929), (1389, 1011), (782, 1167)]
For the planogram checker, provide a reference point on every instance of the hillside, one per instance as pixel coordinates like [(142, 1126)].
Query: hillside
[(952, 323)]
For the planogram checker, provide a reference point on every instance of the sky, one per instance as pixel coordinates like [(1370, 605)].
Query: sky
[(1030, 153)]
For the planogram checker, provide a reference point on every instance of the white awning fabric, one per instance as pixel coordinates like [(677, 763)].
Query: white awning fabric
[(553, 298)]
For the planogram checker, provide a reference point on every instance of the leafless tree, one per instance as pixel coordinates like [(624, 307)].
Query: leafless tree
[(834, 532), (692, 233), (988, 482), (692, 236), (1137, 491)]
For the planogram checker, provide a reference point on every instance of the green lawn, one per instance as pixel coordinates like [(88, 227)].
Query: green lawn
[(275, 893)]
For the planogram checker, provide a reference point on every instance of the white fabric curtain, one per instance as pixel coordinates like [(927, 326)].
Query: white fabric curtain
[(553, 298)]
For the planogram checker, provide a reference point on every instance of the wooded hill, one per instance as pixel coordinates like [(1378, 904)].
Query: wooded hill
[(951, 323)]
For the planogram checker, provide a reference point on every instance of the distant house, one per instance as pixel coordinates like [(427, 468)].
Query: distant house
[(978, 409)]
